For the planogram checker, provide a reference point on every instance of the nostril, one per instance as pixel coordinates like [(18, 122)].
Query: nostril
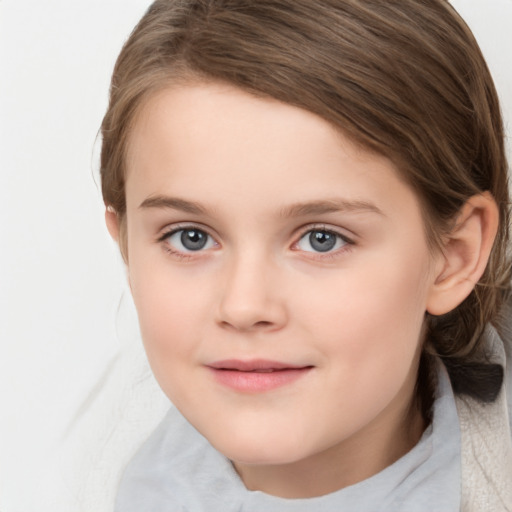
[(263, 323), (254, 326)]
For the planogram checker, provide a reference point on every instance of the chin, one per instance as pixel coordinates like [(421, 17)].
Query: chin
[(255, 451)]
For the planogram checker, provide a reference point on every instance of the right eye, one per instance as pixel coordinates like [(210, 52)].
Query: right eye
[(189, 240)]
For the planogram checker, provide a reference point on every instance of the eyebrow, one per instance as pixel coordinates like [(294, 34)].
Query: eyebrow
[(294, 210), (173, 203), (329, 206)]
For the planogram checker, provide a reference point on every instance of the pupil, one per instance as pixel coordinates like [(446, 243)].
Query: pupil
[(322, 241), (193, 239)]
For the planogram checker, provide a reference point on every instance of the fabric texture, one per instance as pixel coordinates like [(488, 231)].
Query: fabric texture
[(487, 444)]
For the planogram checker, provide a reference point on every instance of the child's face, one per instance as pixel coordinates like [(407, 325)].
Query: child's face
[(259, 238)]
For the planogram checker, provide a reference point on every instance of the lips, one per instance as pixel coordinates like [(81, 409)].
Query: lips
[(257, 375)]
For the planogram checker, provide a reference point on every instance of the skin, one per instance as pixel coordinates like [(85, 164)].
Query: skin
[(257, 176)]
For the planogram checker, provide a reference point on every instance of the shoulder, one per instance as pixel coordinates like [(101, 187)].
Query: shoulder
[(485, 431), (504, 330), (175, 469), (150, 479)]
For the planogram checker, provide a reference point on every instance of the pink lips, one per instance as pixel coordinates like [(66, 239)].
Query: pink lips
[(257, 375)]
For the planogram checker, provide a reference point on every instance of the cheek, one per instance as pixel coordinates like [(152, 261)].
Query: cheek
[(171, 313), (369, 337), (368, 321)]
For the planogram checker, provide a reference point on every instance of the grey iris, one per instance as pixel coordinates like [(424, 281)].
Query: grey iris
[(193, 239), (322, 241)]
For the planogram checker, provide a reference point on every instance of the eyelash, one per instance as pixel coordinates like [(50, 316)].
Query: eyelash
[(328, 255), (176, 229), (318, 255)]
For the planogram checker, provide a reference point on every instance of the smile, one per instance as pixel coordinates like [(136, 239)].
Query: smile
[(256, 376)]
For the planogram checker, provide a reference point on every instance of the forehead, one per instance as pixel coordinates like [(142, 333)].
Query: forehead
[(223, 145), (187, 114)]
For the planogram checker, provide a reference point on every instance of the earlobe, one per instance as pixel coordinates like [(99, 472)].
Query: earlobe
[(112, 222), (465, 254)]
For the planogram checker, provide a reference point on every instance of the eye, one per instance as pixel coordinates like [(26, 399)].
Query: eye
[(321, 240), (189, 240)]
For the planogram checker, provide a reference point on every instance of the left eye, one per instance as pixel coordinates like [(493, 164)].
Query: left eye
[(320, 240), (190, 240)]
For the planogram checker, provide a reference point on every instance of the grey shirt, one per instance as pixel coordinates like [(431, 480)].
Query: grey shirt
[(178, 470)]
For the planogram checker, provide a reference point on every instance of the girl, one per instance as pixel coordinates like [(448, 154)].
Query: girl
[(311, 200)]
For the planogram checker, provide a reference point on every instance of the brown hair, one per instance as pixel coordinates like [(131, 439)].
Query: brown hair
[(405, 78)]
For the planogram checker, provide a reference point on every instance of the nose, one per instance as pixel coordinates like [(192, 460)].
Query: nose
[(252, 297)]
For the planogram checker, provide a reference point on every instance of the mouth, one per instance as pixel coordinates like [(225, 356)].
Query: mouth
[(256, 376)]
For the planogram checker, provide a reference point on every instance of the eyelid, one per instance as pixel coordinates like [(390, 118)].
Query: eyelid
[(180, 226), (349, 239), (348, 243), (176, 252)]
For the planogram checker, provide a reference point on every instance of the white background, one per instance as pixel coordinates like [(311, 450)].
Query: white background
[(61, 280)]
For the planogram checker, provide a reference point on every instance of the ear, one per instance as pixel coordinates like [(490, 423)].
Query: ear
[(112, 221), (464, 254), (117, 229)]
